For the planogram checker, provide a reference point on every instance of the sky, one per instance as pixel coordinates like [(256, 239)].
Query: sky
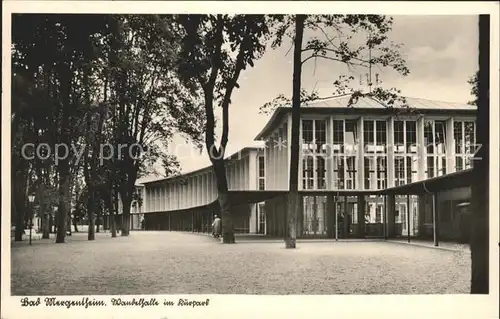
[(441, 53)]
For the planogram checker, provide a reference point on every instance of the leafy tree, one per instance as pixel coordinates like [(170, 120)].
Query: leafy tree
[(53, 50), (339, 49), (215, 49), (474, 82), (148, 103)]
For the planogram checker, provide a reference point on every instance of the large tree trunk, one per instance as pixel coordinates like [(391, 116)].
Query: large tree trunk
[(62, 211), (65, 75), (43, 211), (224, 201), (46, 225), (111, 212), (112, 223), (90, 213), (19, 186), (75, 224), (293, 195), (479, 242), (68, 223), (98, 218), (115, 211), (126, 201)]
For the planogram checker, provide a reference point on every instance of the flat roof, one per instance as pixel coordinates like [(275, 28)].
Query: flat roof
[(368, 105), (199, 170), (433, 185)]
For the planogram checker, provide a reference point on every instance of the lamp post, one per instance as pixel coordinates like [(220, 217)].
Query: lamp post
[(31, 199)]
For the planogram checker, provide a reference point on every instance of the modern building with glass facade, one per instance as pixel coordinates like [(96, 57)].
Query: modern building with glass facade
[(348, 156)]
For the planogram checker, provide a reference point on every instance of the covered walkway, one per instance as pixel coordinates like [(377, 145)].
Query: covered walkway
[(408, 211)]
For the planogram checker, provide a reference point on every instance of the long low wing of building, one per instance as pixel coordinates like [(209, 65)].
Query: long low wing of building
[(198, 188)]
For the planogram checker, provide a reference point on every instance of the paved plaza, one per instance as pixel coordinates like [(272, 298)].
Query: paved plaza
[(165, 262)]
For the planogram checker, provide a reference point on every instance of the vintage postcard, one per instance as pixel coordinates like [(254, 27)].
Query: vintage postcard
[(222, 159)]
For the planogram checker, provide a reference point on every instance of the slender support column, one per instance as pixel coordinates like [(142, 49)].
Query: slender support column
[(285, 208), (385, 217), (391, 216), (435, 221), (408, 210), (421, 216), (257, 217), (361, 216), (346, 219), (330, 215), (336, 218)]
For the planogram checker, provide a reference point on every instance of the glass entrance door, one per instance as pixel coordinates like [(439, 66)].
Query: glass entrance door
[(314, 216), (262, 218)]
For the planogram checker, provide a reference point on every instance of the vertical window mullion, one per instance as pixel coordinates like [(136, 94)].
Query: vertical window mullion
[(434, 148), (405, 180), (462, 146), (344, 168), (404, 137), (314, 169), (343, 133), (463, 153)]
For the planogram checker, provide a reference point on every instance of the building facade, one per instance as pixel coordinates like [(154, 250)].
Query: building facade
[(359, 149), (196, 190)]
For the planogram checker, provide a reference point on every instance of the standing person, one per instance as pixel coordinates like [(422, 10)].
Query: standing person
[(216, 227)]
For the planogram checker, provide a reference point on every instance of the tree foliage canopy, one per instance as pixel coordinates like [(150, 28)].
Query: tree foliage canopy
[(359, 42)]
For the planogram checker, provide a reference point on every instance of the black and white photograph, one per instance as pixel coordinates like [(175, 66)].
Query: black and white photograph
[(163, 160)]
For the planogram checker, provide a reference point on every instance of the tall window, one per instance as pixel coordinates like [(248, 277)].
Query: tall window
[(399, 136), (399, 168), (350, 140), (401, 211), (381, 136), (411, 169), (375, 163), (375, 172), (320, 172), (378, 213), (308, 172), (345, 148), (314, 136), (351, 172), (368, 129), (464, 136), (405, 152), (262, 218), (307, 132), (403, 218), (435, 140), (429, 136), (320, 135), (262, 172), (430, 167), (369, 172), (411, 137), (314, 149), (381, 172), (338, 172), (440, 136), (338, 136)]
